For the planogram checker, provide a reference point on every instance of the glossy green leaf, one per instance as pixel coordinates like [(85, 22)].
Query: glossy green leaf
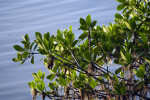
[(35, 75), (32, 60), (55, 68), (123, 89), (121, 1), (147, 60), (118, 16), (120, 7), (39, 73), (74, 43), (43, 75), (132, 23), (128, 25), (77, 84), (51, 86), (16, 59), (83, 27), (93, 23), (118, 70), (47, 36), (32, 85), (82, 22), (38, 36), (123, 56), (37, 80), (88, 20), (83, 35), (31, 45), (51, 77), (39, 87), (62, 81), (93, 83), (41, 51), (116, 78), (87, 55), (26, 38), (43, 85), (117, 88), (121, 74), (18, 48)]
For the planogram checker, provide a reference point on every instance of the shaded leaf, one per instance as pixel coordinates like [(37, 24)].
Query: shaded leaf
[(32, 60), (82, 22), (87, 55), (93, 23)]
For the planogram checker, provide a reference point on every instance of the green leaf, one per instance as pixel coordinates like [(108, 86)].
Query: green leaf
[(32, 60), (62, 81), (93, 83), (121, 74), (32, 85), (39, 87), (82, 22), (74, 43), (51, 77), (35, 46), (115, 78), (37, 80), (120, 7), (35, 75), (31, 45), (147, 60), (18, 48), (88, 20), (38, 36), (122, 55), (77, 84), (117, 88), (55, 68), (51, 86), (39, 74), (93, 23), (140, 73), (26, 38), (118, 70), (59, 35), (132, 23), (83, 36), (87, 55), (83, 27), (123, 89), (121, 1), (47, 36), (128, 25), (74, 74), (43, 85), (81, 77), (41, 51), (16, 59), (118, 16)]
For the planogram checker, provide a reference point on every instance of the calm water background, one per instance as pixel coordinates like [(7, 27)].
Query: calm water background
[(18, 17)]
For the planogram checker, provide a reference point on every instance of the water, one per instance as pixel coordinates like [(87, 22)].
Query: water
[(18, 17)]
